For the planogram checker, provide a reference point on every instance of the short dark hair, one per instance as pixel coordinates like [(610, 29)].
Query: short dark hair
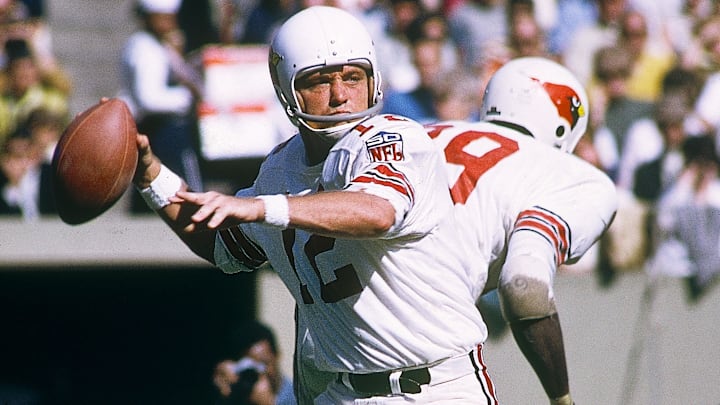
[(246, 334), (700, 149), (17, 49), (612, 61)]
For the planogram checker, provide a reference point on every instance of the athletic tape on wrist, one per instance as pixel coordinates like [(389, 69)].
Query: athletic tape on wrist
[(277, 211), (165, 185)]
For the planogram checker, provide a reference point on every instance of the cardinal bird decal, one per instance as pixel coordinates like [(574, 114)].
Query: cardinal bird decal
[(566, 100)]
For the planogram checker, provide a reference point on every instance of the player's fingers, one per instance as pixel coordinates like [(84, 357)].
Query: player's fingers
[(216, 220), (187, 196), (175, 199), (142, 141), (224, 212), (203, 213)]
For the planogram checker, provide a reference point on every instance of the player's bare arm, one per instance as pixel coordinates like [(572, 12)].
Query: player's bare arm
[(177, 216), (344, 214), (336, 214)]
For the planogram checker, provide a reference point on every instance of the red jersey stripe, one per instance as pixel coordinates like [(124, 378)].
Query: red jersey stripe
[(549, 225)]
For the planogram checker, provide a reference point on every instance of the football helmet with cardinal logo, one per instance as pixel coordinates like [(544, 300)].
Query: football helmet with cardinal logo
[(540, 98)]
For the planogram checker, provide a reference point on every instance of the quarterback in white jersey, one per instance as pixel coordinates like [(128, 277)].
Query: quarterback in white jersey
[(354, 215), (348, 290)]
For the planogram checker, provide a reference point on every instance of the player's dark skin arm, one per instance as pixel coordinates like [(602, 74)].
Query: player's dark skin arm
[(541, 342)]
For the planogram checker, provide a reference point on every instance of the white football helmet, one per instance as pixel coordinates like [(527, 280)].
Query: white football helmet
[(540, 97), (314, 38)]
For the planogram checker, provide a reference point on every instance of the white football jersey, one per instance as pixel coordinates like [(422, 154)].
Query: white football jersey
[(371, 304), (503, 181)]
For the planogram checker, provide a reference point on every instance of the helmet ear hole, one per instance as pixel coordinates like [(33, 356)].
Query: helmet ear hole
[(560, 131)]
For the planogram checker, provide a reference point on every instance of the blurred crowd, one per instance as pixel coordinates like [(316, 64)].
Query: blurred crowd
[(35, 92), (651, 68)]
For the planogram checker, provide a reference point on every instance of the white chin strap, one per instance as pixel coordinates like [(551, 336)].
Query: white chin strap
[(334, 133), (331, 134), (375, 109)]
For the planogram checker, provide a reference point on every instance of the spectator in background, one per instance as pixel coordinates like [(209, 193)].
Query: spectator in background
[(26, 167), (612, 110), (25, 21), (25, 91), (395, 48), (705, 115), (45, 129), (232, 17), (588, 39), (474, 24), (687, 227), (680, 90), (195, 19), (418, 103), (18, 191), (14, 23), (456, 96), (650, 161), (251, 374), (651, 58), (687, 31), (683, 81), (162, 90), (434, 26), (262, 21), (571, 15), (654, 155), (643, 160), (526, 37)]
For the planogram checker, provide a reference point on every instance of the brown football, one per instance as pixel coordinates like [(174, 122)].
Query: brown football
[(94, 161)]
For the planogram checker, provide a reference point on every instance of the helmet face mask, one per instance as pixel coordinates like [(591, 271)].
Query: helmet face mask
[(539, 97), (315, 38)]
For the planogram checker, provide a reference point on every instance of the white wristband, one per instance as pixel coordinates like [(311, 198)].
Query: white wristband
[(165, 185), (277, 211)]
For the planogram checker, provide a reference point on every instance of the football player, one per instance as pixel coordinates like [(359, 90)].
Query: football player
[(526, 204), (354, 215)]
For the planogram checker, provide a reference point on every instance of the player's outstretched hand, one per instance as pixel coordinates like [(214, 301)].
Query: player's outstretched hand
[(217, 211)]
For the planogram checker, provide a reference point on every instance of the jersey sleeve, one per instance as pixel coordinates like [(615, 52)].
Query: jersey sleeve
[(572, 219), (389, 182), (235, 251), (393, 158), (235, 248)]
